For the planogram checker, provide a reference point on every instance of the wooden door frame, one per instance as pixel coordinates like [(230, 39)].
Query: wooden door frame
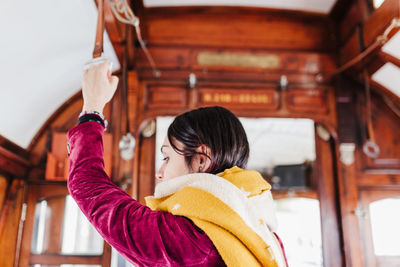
[(36, 192)]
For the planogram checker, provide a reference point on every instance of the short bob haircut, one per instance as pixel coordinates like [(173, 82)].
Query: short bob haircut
[(215, 127)]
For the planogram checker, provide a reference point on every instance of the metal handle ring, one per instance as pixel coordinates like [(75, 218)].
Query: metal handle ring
[(371, 149)]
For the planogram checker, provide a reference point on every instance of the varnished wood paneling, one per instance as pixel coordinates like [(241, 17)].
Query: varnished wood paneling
[(381, 181), (181, 58), (3, 189), (340, 9), (350, 50), (166, 97), (13, 158), (147, 167), (347, 175), (328, 198), (386, 125), (312, 100), (272, 105), (349, 221), (349, 23), (12, 163), (236, 27), (233, 76), (8, 237)]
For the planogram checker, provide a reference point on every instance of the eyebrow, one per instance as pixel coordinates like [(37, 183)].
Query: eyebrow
[(163, 147)]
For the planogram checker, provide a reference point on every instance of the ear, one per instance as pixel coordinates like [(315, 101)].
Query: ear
[(202, 162)]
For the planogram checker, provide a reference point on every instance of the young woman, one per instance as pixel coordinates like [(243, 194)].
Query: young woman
[(206, 211)]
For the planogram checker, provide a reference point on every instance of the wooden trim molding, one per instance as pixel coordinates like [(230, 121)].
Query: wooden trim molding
[(56, 259), (14, 160)]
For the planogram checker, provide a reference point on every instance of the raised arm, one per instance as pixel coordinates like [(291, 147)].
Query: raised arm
[(145, 237)]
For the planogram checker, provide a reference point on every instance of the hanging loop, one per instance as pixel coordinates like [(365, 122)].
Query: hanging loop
[(371, 149), (124, 14)]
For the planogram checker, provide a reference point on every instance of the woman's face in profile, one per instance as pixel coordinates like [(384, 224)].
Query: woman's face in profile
[(174, 164)]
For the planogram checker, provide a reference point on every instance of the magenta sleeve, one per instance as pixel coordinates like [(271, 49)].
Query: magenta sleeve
[(143, 236)]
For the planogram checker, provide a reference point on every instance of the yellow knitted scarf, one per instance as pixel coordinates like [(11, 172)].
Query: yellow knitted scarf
[(233, 208)]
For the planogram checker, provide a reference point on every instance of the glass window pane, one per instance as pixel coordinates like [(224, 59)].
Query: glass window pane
[(118, 261), (65, 265), (79, 236), (300, 230), (385, 222), (377, 3), (39, 227)]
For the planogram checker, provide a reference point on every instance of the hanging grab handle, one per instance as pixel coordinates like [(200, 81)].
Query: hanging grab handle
[(98, 45)]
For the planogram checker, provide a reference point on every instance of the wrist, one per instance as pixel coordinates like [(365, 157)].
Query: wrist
[(91, 115), (96, 108)]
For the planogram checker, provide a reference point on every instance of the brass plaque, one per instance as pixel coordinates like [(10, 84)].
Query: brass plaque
[(251, 99), (238, 60)]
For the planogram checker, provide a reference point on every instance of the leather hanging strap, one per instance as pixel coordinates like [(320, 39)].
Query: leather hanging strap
[(98, 45), (370, 147), (371, 134)]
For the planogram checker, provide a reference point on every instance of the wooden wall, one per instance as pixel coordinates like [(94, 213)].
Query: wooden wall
[(367, 179), (14, 166)]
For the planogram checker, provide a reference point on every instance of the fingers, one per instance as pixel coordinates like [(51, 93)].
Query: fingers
[(102, 67)]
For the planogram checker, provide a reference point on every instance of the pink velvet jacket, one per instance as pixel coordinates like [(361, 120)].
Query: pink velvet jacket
[(143, 236)]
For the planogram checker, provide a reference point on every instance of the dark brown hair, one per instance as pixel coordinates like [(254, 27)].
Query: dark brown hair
[(215, 127)]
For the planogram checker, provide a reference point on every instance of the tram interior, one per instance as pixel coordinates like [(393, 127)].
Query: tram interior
[(315, 83)]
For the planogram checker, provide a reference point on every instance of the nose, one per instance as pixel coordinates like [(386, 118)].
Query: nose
[(160, 172)]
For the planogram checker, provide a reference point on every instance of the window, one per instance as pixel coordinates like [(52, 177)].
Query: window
[(379, 222), (377, 3), (58, 233), (300, 230)]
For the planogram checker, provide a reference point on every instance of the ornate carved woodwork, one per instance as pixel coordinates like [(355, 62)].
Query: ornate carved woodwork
[(171, 98)]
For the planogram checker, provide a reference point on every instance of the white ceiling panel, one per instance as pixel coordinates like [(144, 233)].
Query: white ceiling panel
[(388, 76), (319, 6), (44, 45), (392, 47)]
